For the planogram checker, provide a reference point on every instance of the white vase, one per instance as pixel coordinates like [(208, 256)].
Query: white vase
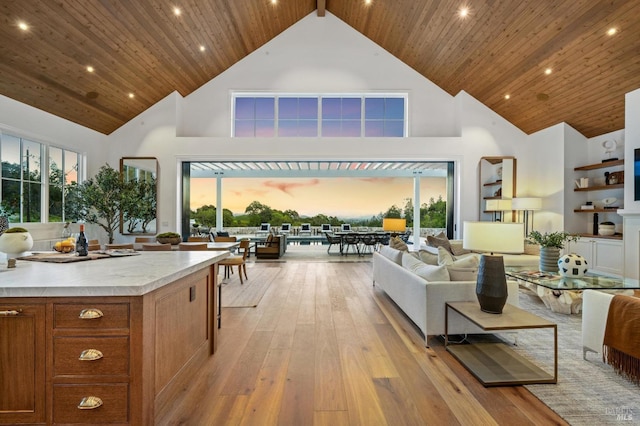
[(14, 243)]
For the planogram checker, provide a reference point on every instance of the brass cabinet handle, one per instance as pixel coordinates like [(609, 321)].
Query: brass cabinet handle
[(90, 403), (90, 355), (10, 313), (91, 313)]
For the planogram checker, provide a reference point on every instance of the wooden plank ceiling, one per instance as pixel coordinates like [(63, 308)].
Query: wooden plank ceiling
[(501, 47)]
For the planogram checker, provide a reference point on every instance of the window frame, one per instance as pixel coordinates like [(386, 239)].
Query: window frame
[(276, 96)]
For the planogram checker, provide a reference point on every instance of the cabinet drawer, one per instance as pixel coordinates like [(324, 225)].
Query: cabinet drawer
[(114, 407), (112, 358), (99, 315)]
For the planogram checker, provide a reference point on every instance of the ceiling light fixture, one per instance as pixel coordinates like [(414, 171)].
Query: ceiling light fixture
[(547, 71), (90, 69), (463, 12), (23, 26), (177, 11), (507, 96), (367, 2), (131, 96), (612, 31), (202, 48)]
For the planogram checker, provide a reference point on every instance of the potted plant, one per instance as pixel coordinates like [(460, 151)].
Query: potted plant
[(172, 238), (550, 245), (15, 240)]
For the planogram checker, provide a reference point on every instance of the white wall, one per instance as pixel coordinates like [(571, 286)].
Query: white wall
[(316, 55), (631, 212)]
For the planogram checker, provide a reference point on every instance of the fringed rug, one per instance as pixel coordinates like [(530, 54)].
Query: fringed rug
[(588, 392), (249, 294)]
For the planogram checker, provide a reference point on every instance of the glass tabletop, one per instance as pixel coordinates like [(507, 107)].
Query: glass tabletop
[(557, 282)]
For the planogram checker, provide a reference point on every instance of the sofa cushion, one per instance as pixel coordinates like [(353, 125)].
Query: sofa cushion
[(462, 274), (438, 241), (421, 269), (398, 244), (465, 261), (392, 254), (428, 257)]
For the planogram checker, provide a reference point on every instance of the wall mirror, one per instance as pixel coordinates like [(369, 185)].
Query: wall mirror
[(138, 214)]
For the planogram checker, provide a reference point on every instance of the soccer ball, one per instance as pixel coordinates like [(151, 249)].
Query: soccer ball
[(572, 265)]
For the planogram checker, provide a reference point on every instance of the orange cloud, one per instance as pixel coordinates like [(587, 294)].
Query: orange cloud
[(287, 187)]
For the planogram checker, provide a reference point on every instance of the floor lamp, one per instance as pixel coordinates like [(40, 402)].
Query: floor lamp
[(492, 237), (526, 205)]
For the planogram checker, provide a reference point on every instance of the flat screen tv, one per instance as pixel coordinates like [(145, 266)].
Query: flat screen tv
[(636, 174)]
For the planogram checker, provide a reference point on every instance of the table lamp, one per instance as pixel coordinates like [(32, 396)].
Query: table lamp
[(526, 205), (394, 225), (492, 237)]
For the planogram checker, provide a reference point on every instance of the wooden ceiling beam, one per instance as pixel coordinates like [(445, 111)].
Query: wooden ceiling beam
[(321, 7)]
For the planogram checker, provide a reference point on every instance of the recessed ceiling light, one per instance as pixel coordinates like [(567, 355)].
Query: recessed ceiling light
[(90, 69), (612, 31), (202, 48), (507, 96), (547, 71), (463, 12), (177, 11), (23, 26), (367, 2), (131, 96), (274, 1)]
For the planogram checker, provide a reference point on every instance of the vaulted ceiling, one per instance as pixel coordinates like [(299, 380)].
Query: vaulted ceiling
[(140, 48)]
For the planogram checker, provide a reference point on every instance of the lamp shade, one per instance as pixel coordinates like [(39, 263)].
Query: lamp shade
[(494, 237), (394, 225), (526, 203)]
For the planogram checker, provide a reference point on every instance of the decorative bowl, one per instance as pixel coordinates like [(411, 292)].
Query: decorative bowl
[(169, 240), (606, 230)]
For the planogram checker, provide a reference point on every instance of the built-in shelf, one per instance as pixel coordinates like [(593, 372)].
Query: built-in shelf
[(596, 210), (601, 187), (602, 165), (604, 237), (498, 182)]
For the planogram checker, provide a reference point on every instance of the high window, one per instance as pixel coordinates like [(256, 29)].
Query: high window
[(366, 115), (34, 179)]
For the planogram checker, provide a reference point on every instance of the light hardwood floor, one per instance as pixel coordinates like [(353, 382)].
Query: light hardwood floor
[(325, 347)]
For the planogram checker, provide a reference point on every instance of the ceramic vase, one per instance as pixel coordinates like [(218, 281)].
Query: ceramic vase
[(491, 285), (15, 242), (549, 259)]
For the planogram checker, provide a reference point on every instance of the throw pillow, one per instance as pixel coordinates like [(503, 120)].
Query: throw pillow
[(392, 254), (398, 244), (421, 269), (457, 250), (439, 242), (428, 257), (468, 261), (433, 273), (462, 274)]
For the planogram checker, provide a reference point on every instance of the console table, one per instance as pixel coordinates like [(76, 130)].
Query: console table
[(494, 363)]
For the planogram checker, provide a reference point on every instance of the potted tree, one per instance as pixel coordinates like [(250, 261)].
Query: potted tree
[(550, 245)]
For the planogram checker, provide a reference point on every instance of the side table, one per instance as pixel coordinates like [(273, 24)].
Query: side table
[(496, 364)]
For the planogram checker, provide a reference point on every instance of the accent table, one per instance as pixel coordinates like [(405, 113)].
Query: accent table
[(495, 364)]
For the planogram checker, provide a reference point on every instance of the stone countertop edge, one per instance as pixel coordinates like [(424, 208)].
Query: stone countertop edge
[(118, 276)]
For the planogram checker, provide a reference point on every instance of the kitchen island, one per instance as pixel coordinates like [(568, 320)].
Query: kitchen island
[(104, 341)]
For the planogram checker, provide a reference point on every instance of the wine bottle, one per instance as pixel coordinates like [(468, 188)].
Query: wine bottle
[(82, 244)]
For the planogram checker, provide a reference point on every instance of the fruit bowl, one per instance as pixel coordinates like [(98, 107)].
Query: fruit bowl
[(65, 246)]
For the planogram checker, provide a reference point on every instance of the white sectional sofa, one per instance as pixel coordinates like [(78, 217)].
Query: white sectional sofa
[(424, 301)]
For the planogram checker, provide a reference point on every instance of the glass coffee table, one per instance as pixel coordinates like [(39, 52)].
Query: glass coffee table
[(564, 294), (557, 282)]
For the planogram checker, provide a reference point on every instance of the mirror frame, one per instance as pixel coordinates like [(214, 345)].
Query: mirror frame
[(123, 160)]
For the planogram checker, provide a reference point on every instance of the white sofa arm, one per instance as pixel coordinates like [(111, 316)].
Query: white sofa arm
[(595, 308)]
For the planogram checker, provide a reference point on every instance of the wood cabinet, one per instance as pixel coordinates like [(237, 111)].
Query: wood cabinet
[(603, 255), (600, 182), (104, 360), (497, 184), (22, 362)]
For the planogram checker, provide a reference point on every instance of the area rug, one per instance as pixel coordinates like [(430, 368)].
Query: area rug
[(588, 392), (249, 294)]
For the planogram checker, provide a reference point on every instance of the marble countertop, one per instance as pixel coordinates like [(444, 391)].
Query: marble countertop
[(115, 276)]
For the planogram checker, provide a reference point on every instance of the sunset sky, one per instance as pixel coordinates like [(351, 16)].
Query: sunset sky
[(341, 197)]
